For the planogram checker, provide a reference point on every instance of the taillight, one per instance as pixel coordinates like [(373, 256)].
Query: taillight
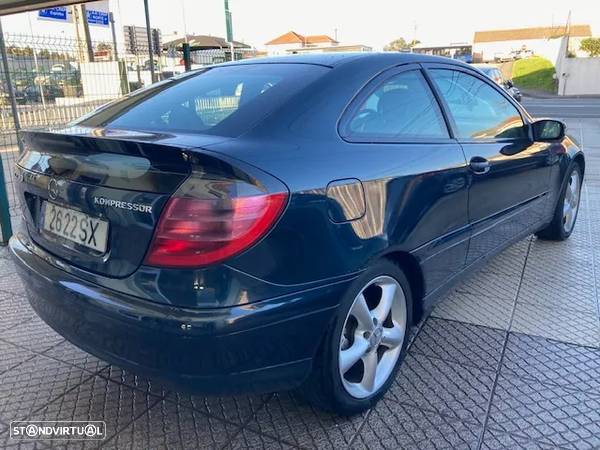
[(195, 232)]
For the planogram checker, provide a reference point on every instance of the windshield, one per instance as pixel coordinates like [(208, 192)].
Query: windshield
[(224, 101)]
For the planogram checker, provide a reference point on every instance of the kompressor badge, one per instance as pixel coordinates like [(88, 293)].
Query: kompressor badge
[(112, 203)]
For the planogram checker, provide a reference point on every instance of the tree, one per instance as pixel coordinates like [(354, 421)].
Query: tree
[(103, 46), (591, 45), (400, 44)]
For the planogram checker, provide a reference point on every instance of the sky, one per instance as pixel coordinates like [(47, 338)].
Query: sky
[(372, 22)]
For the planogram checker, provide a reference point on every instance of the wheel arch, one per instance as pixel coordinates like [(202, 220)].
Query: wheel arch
[(579, 159), (414, 274)]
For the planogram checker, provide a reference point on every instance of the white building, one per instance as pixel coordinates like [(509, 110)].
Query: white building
[(495, 45), (293, 43)]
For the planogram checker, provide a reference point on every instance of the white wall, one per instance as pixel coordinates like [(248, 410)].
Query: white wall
[(282, 49), (100, 80), (579, 76), (547, 48)]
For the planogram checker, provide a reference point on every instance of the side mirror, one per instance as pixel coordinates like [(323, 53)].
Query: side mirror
[(509, 84), (548, 130)]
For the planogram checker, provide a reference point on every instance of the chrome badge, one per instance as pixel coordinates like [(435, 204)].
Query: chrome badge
[(53, 189)]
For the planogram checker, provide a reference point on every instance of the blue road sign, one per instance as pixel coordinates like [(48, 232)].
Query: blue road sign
[(59, 13), (97, 17)]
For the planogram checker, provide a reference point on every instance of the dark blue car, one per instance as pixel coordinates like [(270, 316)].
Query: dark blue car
[(280, 223)]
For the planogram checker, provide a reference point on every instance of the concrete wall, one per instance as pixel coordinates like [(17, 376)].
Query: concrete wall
[(579, 76)]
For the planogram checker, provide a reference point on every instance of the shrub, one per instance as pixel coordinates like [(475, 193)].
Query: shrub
[(591, 45), (534, 73)]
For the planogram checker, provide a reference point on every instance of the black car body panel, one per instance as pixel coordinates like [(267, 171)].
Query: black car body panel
[(439, 207)]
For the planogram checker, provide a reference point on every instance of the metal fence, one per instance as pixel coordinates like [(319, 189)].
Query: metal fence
[(54, 83), (52, 86)]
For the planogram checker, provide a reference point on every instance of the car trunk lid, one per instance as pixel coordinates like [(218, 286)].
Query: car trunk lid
[(93, 197)]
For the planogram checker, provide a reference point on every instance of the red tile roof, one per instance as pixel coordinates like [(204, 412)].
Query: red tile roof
[(291, 37), (288, 38), (319, 38)]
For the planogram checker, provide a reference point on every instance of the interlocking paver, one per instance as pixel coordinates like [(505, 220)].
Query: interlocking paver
[(489, 284), (460, 342), (4, 252), (67, 352), (13, 285), (510, 261), (7, 268), (443, 387), (33, 334), (33, 384), (169, 425), (6, 442), (246, 439), (96, 398), (556, 277), (561, 324), (546, 413), (236, 409), (11, 356), (288, 418), (15, 310), (393, 425), (556, 293), (495, 440), (119, 375), (476, 309), (568, 365)]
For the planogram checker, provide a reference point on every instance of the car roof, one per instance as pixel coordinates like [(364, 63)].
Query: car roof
[(339, 58)]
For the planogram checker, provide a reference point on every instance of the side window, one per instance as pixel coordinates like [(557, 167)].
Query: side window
[(479, 111), (401, 107)]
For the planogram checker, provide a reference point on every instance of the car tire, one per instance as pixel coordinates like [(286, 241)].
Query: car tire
[(337, 385), (567, 208)]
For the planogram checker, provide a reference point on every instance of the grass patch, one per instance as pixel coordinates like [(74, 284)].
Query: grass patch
[(534, 73)]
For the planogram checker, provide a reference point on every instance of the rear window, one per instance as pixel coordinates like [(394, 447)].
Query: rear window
[(225, 101)]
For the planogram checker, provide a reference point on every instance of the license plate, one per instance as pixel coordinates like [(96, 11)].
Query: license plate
[(75, 226)]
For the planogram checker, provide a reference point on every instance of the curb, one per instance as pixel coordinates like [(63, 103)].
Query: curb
[(544, 95)]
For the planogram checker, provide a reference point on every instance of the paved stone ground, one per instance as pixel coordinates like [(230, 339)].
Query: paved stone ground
[(510, 359)]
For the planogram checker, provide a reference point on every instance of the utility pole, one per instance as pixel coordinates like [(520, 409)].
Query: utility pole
[(82, 32), (37, 68), (185, 34), (229, 29), (5, 225), (414, 39), (111, 19), (86, 31), (149, 33)]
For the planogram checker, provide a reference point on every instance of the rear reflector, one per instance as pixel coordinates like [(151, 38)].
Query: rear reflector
[(196, 232)]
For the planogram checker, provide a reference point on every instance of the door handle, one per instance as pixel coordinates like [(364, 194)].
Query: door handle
[(479, 165)]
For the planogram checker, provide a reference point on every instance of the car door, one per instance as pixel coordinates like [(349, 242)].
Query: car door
[(509, 173), (414, 174)]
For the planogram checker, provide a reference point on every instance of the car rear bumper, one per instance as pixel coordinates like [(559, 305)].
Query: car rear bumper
[(258, 347)]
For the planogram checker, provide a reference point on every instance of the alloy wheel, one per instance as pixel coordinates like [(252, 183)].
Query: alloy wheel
[(571, 201), (372, 337)]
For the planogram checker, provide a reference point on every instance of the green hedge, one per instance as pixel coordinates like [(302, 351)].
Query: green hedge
[(534, 73)]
